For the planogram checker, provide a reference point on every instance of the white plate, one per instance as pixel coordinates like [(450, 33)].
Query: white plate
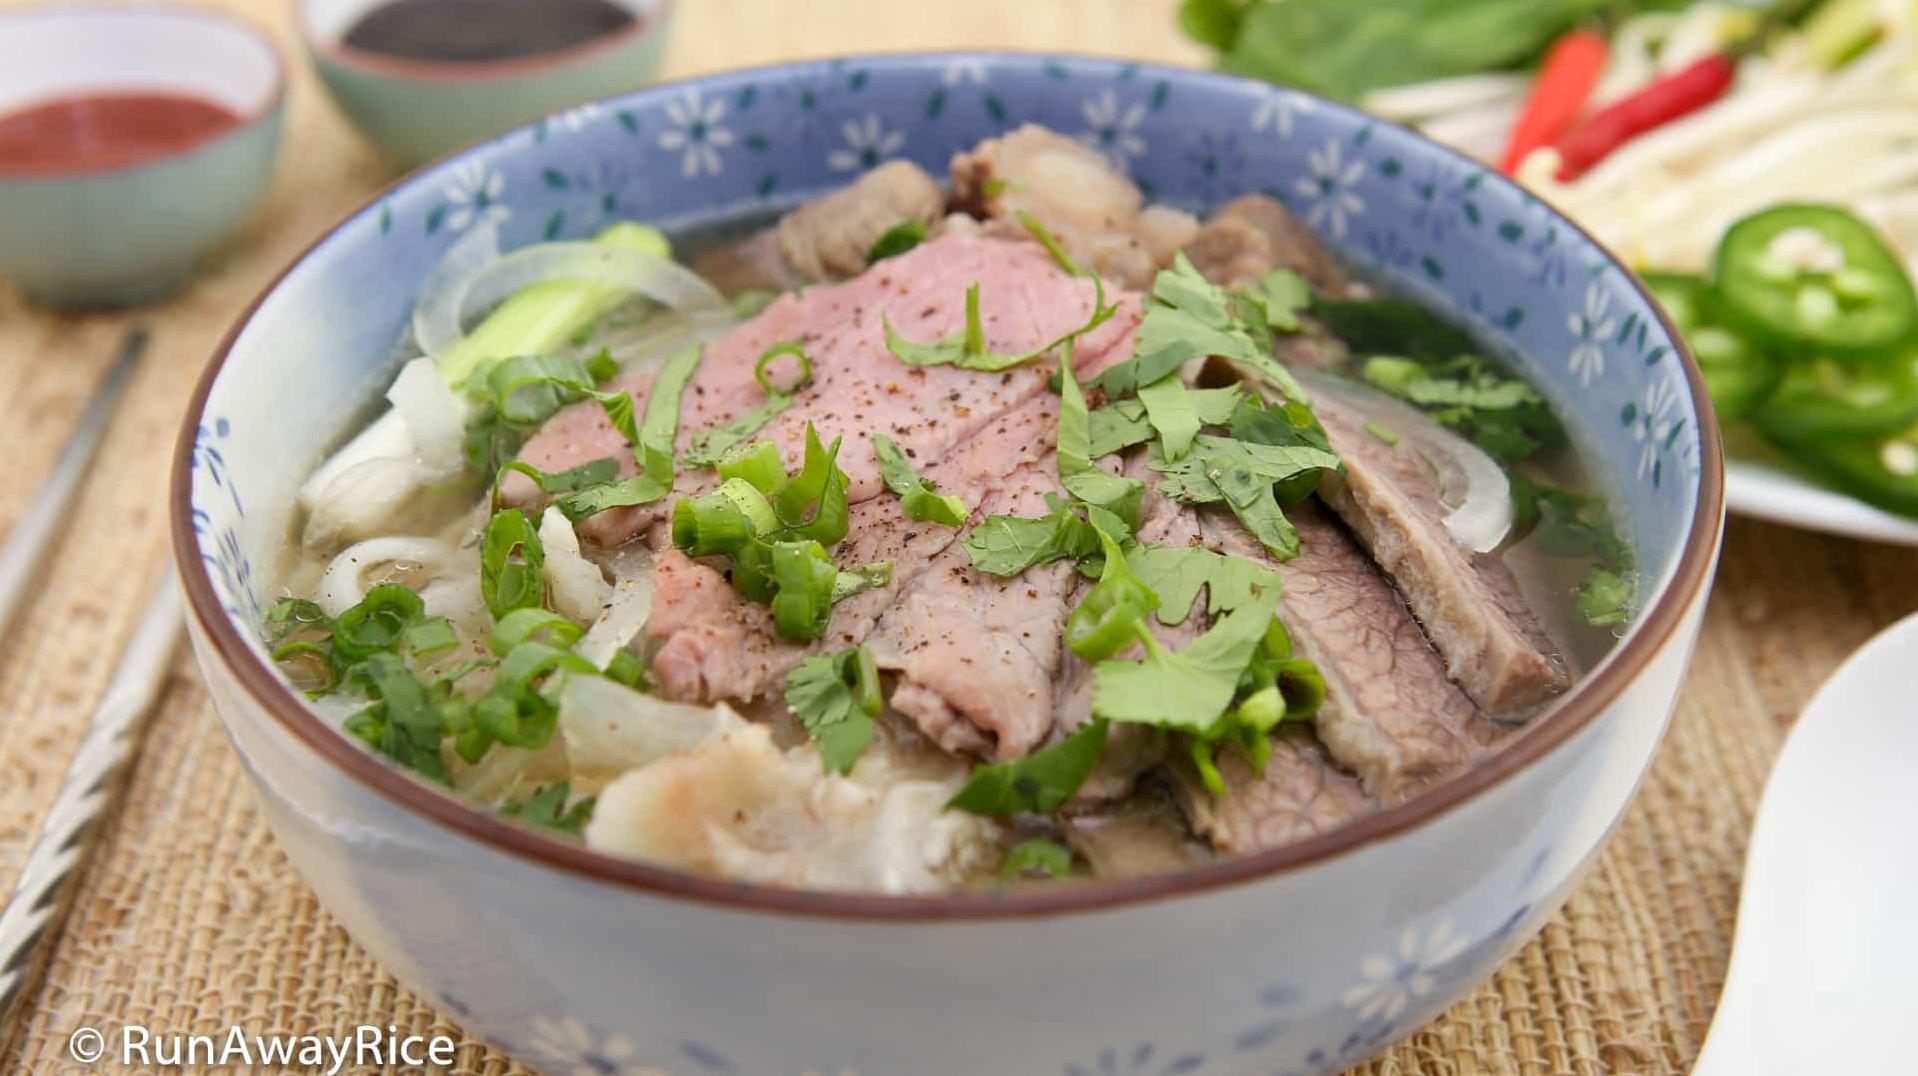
[(1755, 487)]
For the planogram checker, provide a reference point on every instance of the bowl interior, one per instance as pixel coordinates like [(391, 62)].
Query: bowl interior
[(54, 52), (320, 344), (326, 22)]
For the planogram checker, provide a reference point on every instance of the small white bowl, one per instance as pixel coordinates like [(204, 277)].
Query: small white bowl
[(129, 234)]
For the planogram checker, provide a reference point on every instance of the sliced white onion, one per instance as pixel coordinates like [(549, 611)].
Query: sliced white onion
[(626, 611), (447, 304), (435, 418), (343, 584), (610, 729), (1471, 483), (473, 252), (578, 588)]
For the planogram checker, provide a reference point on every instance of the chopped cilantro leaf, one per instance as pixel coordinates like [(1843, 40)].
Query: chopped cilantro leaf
[(1008, 545), (1177, 574), (1170, 408), (1123, 423), (547, 809), (835, 697), (1189, 689), (1279, 296), (1038, 783), (967, 348), (919, 499), (1077, 473)]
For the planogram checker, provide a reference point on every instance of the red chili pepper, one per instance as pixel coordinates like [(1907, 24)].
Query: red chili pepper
[(1565, 82), (1671, 97)]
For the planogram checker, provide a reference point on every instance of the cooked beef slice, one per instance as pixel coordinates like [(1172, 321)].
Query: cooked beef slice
[(1391, 714), (1254, 234), (859, 387), (714, 644), (1470, 603), (1301, 793), (1097, 214), (977, 655), (827, 238)]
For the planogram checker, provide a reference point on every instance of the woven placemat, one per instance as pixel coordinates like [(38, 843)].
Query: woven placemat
[(190, 920)]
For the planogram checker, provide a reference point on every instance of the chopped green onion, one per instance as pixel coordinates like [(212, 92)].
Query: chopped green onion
[(813, 503), (723, 521), (511, 561), (803, 575), (758, 464), (523, 625), (431, 636), (377, 622), (1037, 855)]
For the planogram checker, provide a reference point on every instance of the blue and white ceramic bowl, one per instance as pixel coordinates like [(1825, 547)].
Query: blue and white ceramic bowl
[(1300, 961)]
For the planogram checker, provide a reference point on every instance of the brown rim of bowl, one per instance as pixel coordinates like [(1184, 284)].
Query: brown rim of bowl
[(468, 71), (1577, 710), (273, 102)]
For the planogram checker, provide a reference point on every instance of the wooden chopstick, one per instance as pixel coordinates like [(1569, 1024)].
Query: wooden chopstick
[(20, 556), (91, 786)]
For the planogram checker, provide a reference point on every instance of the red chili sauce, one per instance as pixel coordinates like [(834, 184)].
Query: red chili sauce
[(95, 132)]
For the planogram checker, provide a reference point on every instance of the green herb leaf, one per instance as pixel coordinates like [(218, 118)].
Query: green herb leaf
[(1189, 689), (898, 239), (653, 447), (432, 635), (1123, 423), (1050, 242), (1605, 598), (1177, 574), (1077, 473), (835, 697), (708, 447), (861, 579), (1038, 783), (1388, 325), (1173, 412), (967, 349), (919, 499), (1037, 855), (1279, 296), (511, 561), (403, 723), (1008, 545), (377, 623), (1111, 616), (1188, 317), (547, 809)]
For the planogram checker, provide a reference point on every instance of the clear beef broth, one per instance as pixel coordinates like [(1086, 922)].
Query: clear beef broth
[(1151, 830)]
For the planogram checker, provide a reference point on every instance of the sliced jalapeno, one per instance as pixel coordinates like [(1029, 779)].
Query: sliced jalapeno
[(1814, 277), (1882, 471), (1738, 373), (1826, 397)]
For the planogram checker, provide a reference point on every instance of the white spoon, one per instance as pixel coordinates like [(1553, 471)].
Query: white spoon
[(1824, 974)]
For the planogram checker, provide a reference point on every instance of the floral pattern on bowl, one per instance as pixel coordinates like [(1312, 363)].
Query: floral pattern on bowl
[(1373, 955)]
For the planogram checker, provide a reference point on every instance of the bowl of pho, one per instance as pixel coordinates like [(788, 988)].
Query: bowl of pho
[(893, 559)]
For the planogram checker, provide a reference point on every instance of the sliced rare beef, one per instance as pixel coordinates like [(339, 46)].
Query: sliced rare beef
[(1253, 234), (828, 238), (860, 388), (1301, 793), (1391, 714), (714, 644), (1470, 603), (1097, 213), (978, 655)]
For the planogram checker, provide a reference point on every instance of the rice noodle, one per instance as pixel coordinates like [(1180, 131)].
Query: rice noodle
[(449, 302), (343, 584)]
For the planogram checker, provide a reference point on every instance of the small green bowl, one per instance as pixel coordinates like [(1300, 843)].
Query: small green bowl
[(118, 236), (417, 110)]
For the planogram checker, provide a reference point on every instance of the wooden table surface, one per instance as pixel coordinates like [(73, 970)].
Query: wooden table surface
[(1623, 981)]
